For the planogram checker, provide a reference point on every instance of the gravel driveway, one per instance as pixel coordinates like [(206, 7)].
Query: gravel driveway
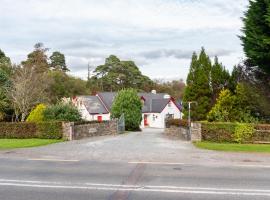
[(150, 145)]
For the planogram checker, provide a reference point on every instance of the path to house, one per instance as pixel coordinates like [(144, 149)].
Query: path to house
[(134, 166), (150, 145)]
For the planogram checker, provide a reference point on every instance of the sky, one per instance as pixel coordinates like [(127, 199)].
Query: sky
[(158, 35)]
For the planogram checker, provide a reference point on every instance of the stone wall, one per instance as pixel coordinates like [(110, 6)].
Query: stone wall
[(177, 132), (182, 132), (72, 131)]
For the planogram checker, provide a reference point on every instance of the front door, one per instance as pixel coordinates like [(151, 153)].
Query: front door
[(99, 118), (145, 120)]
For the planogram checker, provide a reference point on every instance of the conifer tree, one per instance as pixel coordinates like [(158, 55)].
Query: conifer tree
[(198, 86), (256, 38)]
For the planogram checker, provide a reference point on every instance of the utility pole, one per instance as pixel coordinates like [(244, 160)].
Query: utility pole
[(89, 70)]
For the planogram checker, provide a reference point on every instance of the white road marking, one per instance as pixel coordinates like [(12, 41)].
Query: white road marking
[(135, 188), (253, 166), (203, 165), (155, 163), (51, 160)]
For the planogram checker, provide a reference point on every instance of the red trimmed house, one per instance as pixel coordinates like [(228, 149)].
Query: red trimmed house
[(156, 107)]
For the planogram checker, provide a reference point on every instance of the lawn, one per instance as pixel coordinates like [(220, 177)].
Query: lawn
[(264, 148), (24, 143)]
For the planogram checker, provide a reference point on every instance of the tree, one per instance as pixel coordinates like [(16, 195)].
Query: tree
[(6, 71), (58, 61), (62, 112), (28, 89), (232, 107), (37, 59), (64, 85), (219, 79), (198, 86), (256, 34), (115, 75), (5, 63), (128, 103), (174, 88), (204, 83), (37, 114)]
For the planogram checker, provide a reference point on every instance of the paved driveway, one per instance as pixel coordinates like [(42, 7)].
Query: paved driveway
[(150, 145)]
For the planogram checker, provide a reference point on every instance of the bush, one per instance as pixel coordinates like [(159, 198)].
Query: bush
[(49, 130), (128, 103), (176, 122), (243, 133), (62, 112), (37, 114), (17, 130), (26, 130), (235, 132), (231, 107), (218, 132)]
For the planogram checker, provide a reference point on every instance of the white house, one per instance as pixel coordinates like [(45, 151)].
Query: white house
[(156, 107)]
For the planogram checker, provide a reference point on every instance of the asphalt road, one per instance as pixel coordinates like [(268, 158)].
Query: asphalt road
[(135, 166), (84, 180)]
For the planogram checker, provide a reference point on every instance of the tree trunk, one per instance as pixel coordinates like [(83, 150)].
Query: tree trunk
[(23, 117)]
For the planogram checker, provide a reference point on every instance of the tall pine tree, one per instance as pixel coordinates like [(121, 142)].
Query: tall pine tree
[(198, 86), (204, 83), (256, 38)]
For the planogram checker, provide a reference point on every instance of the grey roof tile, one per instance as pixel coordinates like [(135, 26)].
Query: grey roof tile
[(93, 105)]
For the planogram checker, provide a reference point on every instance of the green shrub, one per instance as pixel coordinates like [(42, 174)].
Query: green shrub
[(49, 130), (176, 122), (62, 112), (128, 103), (218, 132), (17, 130), (37, 114), (27, 130), (243, 133)]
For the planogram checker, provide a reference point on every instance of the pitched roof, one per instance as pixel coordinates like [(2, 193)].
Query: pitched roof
[(93, 105), (152, 102), (159, 104), (107, 98)]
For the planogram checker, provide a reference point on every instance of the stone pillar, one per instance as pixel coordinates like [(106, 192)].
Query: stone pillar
[(196, 132), (68, 130)]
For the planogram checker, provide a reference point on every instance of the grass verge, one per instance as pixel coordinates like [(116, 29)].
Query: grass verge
[(262, 148), (24, 143)]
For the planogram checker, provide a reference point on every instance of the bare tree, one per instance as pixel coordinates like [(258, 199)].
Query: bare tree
[(28, 89)]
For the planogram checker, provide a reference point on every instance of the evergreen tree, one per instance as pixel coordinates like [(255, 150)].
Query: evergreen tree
[(58, 61), (219, 79), (256, 38), (128, 103), (6, 71), (37, 59), (115, 75), (198, 86)]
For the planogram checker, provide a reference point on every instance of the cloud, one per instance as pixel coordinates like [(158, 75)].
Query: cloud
[(153, 33), (180, 54)]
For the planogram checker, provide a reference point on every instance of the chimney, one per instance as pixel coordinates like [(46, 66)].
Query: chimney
[(154, 92), (167, 96)]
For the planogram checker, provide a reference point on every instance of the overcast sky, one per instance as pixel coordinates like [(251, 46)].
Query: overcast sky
[(159, 35)]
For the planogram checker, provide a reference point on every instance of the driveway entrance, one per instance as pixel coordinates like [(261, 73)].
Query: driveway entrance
[(150, 145)]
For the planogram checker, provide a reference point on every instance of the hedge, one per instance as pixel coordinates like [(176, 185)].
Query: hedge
[(218, 132), (229, 132), (25, 130), (176, 122)]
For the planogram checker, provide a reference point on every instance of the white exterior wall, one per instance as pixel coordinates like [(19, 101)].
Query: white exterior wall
[(157, 120), (91, 117)]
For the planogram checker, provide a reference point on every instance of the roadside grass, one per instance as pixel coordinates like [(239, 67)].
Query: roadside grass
[(232, 147), (25, 143)]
